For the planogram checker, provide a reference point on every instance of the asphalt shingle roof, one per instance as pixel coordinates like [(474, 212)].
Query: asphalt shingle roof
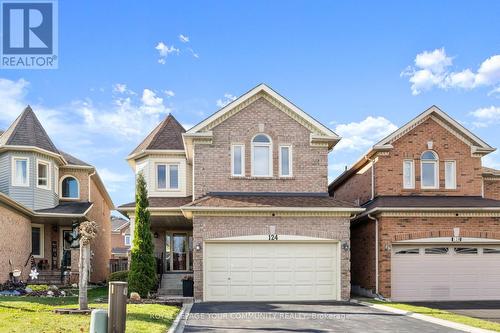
[(162, 202), (73, 160), (71, 207), (491, 172), (430, 202), (167, 135), (251, 199)]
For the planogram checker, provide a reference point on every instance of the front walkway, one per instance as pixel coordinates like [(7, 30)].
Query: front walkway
[(300, 317)]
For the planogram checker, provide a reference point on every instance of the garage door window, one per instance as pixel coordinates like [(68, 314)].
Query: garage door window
[(408, 251), (466, 250), (491, 251), (437, 250)]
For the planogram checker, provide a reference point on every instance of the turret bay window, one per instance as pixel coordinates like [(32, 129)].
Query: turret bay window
[(262, 161), (43, 174), (429, 170), (70, 188), (20, 169), (167, 176)]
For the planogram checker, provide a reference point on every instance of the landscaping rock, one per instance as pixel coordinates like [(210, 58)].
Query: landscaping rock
[(28, 290), (135, 296), (53, 287)]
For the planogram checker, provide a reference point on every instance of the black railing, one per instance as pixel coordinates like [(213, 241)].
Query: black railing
[(159, 269)]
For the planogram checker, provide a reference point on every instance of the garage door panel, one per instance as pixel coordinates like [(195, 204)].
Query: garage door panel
[(452, 276), (271, 271)]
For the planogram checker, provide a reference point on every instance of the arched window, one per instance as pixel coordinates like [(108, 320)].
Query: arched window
[(262, 161), (429, 170), (70, 188)]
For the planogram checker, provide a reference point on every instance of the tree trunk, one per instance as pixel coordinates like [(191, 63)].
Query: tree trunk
[(83, 268)]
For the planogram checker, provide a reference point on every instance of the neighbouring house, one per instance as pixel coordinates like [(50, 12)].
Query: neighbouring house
[(44, 194), (120, 237), (120, 244), (240, 201), (431, 229)]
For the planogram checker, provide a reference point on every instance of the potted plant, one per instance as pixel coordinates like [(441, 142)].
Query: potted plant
[(187, 286)]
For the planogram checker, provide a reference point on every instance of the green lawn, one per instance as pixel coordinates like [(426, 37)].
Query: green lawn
[(441, 314), (34, 314)]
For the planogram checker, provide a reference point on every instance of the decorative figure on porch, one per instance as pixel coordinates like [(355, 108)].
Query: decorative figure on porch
[(87, 232), (34, 274)]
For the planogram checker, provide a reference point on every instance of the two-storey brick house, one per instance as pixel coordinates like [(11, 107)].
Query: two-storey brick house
[(431, 229), (240, 201), (44, 194)]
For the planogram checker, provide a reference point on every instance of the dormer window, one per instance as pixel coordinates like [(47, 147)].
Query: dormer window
[(70, 188), (429, 170), (262, 161), (20, 169), (167, 176)]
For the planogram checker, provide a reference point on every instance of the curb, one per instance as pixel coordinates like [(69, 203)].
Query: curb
[(434, 320), (180, 320)]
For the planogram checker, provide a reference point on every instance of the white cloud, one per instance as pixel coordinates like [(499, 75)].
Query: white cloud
[(184, 39), (194, 54), (495, 92), (164, 50), (431, 70), (120, 88), (337, 167), (486, 116), (169, 93), (359, 136), (12, 98), (228, 98), (492, 160)]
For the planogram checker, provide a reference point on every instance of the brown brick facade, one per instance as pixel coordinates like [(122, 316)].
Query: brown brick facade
[(389, 168), (15, 242), (357, 188), (212, 163), (208, 227), (492, 188)]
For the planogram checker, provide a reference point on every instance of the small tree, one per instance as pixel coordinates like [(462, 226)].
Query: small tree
[(142, 275), (87, 231)]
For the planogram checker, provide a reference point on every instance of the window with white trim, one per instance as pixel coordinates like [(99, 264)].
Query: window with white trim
[(167, 176), (285, 161), (262, 162), (450, 175), (238, 160), (437, 250), (37, 240), (491, 251), (408, 174), (20, 171), (429, 170), (126, 240), (408, 251), (466, 250), (56, 179), (70, 188), (43, 174)]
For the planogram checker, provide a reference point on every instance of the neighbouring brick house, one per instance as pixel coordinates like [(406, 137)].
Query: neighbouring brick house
[(240, 201), (120, 238), (44, 194), (431, 229)]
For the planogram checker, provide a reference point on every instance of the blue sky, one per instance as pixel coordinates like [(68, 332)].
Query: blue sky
[(362, 68)]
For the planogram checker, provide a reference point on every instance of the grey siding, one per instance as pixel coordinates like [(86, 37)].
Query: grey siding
[(33, 196), (5, 171)]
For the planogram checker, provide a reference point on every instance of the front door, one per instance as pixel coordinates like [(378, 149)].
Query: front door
[(67, 235), (179, 253)]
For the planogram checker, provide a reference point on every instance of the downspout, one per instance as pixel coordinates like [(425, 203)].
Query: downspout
[(376, 251)]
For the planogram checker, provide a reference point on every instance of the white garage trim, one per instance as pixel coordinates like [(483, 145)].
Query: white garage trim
[(284, 240)]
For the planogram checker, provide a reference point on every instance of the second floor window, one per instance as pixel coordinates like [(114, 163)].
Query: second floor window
[(408, 174), (167, 176), (20, 172), (262, 162), (429, 170), (285, 161), (238, 160), (70, 189), (43, 177), (126, 240), (450, 175)]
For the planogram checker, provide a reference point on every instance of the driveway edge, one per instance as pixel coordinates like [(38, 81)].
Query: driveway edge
[(180, 320), (434, 320)]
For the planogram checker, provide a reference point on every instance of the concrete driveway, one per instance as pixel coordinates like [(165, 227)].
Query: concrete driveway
[(300, 317), (487, 310)]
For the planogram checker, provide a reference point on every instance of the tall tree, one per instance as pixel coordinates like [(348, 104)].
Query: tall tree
[(142, 275), (87, 232)]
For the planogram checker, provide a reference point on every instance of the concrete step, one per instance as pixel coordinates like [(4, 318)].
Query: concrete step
[(173, 292)]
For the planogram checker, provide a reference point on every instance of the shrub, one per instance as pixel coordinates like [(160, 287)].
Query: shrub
[(118, 276), (38, 287)]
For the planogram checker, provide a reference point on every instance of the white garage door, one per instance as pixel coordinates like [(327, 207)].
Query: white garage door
[(271, 271), (445, 272)]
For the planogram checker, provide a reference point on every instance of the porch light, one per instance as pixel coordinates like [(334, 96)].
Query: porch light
[(156, 234), (197, 247), (345, 246)]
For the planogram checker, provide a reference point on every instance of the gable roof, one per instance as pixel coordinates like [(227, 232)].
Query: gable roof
[(27, 131), (477, 145), (73, 160), (118, 223), (490, 172), (166, 136), (265, 91)]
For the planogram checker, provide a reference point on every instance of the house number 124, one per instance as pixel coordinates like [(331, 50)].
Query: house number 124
[(273, 237)]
